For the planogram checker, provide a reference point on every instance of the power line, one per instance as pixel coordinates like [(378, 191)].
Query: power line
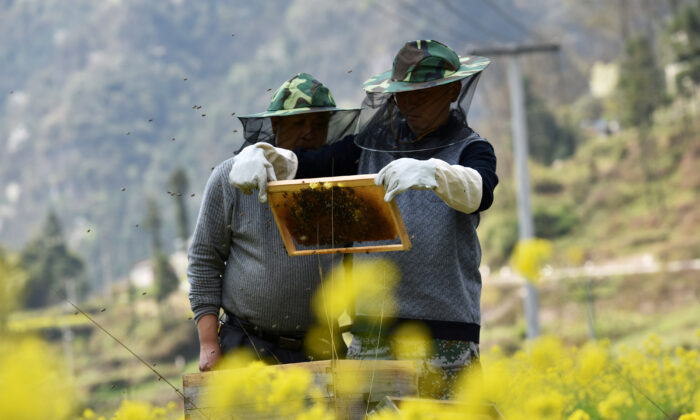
[(507, 16), (473, 21), (407, 21), (411, 7)]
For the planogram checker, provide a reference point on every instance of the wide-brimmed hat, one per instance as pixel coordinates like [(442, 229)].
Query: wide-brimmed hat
[(422, 64), (298, 95)]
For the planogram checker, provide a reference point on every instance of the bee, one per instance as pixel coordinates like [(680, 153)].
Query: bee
[(192, 195), (143, 294), (123, 188), (103, 309), (150, 120), (128, 133), (184, 79), (233, 113), (204, 115), (350, 71), (173, 139)]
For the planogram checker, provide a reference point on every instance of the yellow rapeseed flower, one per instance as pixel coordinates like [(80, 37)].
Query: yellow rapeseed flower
[(579, 415), (529, 256), (614, 406), (412, 341), (372, 280), (30, 374)]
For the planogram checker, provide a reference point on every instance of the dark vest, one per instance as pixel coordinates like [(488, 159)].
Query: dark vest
[(440, 278)]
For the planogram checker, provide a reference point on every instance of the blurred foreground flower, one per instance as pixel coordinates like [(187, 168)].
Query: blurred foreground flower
[(529, 256), (140, 410), (34, 384), (549, 380), (254, 389), (368, 288)]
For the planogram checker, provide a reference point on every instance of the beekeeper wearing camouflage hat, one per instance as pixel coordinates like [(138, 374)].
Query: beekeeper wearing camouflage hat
[(237, 260), (414, 134), (442, 174)]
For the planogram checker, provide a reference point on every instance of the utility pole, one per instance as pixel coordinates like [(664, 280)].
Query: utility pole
[(526, 229)]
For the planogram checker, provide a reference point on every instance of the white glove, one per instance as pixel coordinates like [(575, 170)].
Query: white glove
[(458, 186), (259, 163), (405, 173)]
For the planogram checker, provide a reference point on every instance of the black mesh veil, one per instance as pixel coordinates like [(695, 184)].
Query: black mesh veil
[(384, 129), (341, 123)]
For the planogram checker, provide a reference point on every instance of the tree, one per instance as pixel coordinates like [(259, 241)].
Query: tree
[(641, 90), (153, 223), (50, 265), (548, 139), (179, 183), (685, 35), (12, 279), (641, 86), (164, 277)]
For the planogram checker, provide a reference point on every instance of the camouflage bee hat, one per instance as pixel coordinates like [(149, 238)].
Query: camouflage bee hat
[(423, 64), (298, 95)]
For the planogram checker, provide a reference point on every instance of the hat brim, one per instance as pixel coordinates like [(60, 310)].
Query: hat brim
[(296, 111), (382, 82)]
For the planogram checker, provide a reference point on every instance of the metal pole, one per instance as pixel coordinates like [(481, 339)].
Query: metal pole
[(526, 228)]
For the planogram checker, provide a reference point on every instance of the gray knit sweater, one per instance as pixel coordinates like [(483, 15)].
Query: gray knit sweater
[(237, 261)]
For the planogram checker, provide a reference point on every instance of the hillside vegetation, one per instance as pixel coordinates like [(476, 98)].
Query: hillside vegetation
[(604, 204)]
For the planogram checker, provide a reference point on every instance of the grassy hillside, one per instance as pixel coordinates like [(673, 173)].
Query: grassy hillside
[(620, 195)]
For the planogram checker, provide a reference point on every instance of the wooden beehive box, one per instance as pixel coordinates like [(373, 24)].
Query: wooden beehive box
[(328, 215), (396, 378)]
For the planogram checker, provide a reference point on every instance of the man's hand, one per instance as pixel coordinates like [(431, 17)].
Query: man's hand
[(405, 173), (209, 355), (209, 349), (256, 165)]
